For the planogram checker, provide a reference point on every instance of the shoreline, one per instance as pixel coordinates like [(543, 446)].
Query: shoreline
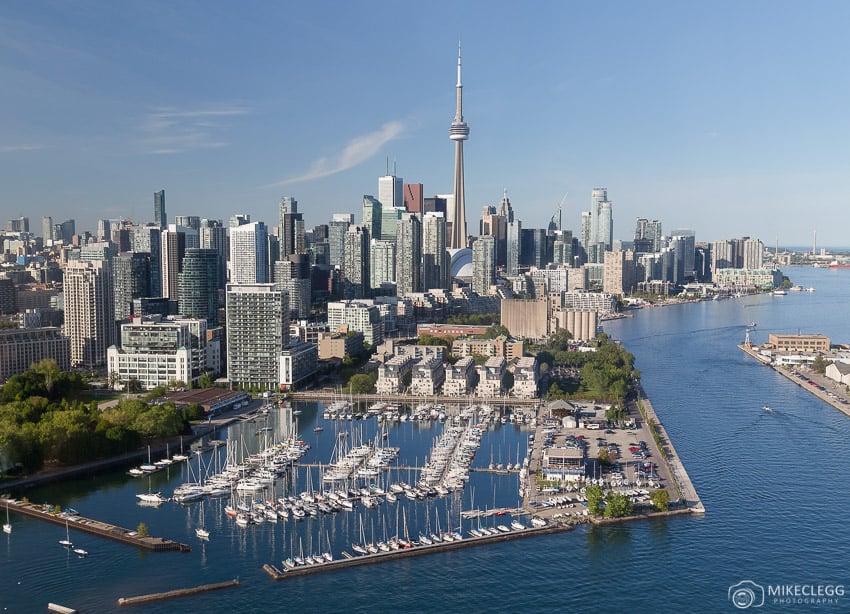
[(789, 375)]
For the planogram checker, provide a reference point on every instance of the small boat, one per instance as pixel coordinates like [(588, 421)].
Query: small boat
[(7, 526), (80, 552), (753, 324), (66, 543), (767, 408), (318, 429), (151, 497)]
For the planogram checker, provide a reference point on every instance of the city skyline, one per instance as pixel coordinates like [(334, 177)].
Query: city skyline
[(701, 119)]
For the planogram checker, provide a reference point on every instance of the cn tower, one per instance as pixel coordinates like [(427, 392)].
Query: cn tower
[(458, 132)]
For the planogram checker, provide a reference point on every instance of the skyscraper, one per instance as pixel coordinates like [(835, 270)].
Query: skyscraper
[(483, 265), (409, 254), (513, 255), (291, 233), (337, 228), (198, 284), (413, 197), (148, 239), (131, 280), (248, 249), (189, 221), (89, 311), (293, 275), (159, 217), (214, 236), (382, 259), (458, 132), (372, 216), (435, 268), (175, 241), (356, 263), (390, 190), (47, 228)]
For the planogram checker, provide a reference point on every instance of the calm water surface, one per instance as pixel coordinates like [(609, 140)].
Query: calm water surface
[(776, 489)]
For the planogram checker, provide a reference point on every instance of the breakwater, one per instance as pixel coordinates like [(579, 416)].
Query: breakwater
[(94, 527)]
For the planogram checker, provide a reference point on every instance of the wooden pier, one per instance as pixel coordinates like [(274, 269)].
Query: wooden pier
[(47, 513)]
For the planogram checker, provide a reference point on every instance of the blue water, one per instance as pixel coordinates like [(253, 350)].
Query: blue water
[(775, 487)]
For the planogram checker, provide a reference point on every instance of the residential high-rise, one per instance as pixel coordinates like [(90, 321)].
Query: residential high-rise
[(355, 267), (248, 248), (649, 230), (458, 132), (753, 254), (513, 245), (686, 250), (257, 334), (723, 255), (131, 273), (435, 261), (198, 285), (337, 228), (21, 224), (89, 311), (382, 259), (602, 220), (293, 275), (173, 249), (159, 216), (618, 273), (483, 265), (214, 237), (409, 254), (291, 228), (175, 241), (148, 239), (47, 228)]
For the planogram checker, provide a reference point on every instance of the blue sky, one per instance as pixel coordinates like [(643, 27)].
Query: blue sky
[(730, 118)]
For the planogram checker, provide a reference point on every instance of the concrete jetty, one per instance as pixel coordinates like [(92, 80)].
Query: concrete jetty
[(180, 592), (682, 480), (419, 550), (47, 513)]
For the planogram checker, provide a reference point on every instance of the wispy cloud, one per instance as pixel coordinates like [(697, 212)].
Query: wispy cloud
[(357, 151), (20, 147), (171, 131)]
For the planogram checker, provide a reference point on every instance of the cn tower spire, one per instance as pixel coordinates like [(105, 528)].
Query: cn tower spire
[(458, 132)]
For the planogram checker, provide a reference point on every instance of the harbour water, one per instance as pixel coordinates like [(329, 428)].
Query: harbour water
[(775, 487)]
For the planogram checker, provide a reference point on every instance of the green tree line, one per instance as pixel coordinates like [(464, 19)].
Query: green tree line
[(42, 421)]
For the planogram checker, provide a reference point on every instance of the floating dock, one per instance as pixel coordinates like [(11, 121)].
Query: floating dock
[(93, 527)]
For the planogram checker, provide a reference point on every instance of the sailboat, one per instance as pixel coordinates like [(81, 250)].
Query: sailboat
[(66, 543), (80, 552), (7, 528), (201, 531), (181, 456)]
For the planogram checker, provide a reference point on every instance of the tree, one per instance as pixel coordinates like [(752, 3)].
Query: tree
[(819, 364), (206, 381), (603, 456), (617, 505), (142, 530), (361, 384), (593, 494), (660, 499)]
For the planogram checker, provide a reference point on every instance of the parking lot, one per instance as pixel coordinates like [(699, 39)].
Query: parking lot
[(624, 460)]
